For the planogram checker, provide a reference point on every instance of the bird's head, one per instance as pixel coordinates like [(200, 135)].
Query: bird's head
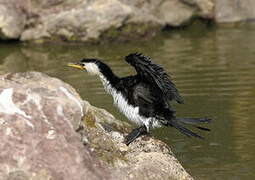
[(92, 66)]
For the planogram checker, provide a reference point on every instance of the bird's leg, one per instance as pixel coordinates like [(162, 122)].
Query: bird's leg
[(135, 133)]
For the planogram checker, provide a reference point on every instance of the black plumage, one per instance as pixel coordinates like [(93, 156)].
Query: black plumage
[(143, 98), (155, 75)]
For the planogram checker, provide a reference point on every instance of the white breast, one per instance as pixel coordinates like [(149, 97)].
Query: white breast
[(131, 112)]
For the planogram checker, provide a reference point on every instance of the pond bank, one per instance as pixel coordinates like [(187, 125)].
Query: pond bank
[(40, 118), (96, 21)]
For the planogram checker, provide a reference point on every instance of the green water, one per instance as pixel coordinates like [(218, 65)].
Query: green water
[(214, 69)]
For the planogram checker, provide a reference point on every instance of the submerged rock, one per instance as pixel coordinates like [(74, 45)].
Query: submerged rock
[(39, 120)]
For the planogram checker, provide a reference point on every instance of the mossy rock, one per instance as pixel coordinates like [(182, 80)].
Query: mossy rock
[(97, 129)]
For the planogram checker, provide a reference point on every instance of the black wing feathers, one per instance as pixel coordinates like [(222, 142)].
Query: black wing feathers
[(145, 100), (155, 74)]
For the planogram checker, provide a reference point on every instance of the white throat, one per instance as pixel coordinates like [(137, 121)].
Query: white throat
[(92, 69)]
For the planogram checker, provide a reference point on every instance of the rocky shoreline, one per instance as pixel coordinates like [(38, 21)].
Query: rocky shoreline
[(48, 132), (98, 20)]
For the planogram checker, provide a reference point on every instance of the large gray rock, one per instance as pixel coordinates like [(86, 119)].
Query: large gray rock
[(174, 12), (12, 19), (98, 20), (39, 116), (205, 8), (227, 11), (84, 22), (91, 21)]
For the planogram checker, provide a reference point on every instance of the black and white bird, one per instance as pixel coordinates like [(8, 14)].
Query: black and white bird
[(143, 98)]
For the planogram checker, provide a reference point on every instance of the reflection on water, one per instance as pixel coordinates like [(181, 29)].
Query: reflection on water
[(214, 71)]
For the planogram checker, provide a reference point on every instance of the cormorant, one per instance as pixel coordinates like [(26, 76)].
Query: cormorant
[(143, 98)]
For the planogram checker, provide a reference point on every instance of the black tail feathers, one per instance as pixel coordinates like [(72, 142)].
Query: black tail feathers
[(203, 128), (185, 131), (193, 121)]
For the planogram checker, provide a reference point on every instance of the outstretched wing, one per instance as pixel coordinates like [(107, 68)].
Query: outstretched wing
[(155, 74)]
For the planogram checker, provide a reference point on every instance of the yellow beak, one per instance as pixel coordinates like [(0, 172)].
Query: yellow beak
[(75, 65)]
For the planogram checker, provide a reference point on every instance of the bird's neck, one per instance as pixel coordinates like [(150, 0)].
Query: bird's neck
[(108, 77)]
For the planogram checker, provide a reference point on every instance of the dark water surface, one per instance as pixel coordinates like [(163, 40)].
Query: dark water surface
[(214, 70)]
